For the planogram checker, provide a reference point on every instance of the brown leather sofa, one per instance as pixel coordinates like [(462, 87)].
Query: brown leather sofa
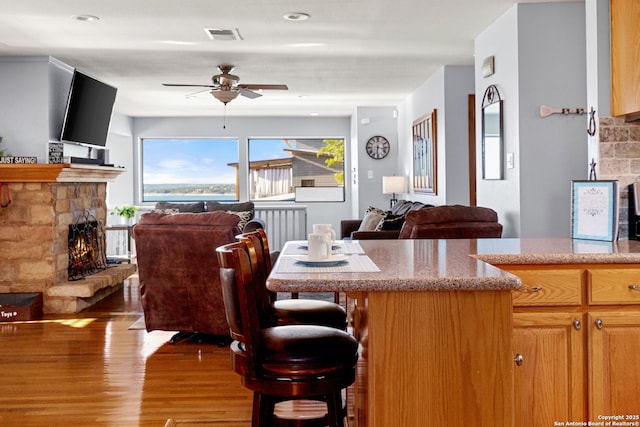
[(246, 211), (390, 229), (451, 222), (179, 273)]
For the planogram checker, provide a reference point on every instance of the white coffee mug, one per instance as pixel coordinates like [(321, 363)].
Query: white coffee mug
[(319, 246), (325, 228)]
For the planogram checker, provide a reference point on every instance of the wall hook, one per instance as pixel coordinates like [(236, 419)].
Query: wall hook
[(545, 111), (591, 130)]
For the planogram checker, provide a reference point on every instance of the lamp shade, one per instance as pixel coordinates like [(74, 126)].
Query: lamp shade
[(393, 184)]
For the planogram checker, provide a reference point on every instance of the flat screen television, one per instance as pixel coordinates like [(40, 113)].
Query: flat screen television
[(88, 112)]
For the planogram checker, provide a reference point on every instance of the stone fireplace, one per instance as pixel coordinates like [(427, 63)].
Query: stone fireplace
[(34, 233)]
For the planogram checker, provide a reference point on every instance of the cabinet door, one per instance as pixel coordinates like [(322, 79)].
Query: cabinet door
[(550, 381), (614, 361), (625, 55)]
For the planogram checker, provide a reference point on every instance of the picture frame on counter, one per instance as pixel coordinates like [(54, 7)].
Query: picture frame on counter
[(595, 210)]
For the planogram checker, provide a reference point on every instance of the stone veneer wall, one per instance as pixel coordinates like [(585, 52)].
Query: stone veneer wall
[(619, 147), (34, 232)]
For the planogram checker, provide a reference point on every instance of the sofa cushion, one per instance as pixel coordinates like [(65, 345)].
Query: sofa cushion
[(403, 206), (372, 218), (181, 207), (190, 218), (450, 216), (213, 206), (390, 222), (245, 217)]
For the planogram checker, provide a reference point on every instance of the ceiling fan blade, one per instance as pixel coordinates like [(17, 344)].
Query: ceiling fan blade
[(249, 93), (265, 87), (187, 85), (198, 92)]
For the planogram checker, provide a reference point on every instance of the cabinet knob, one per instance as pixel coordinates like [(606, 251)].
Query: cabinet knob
[(634, 287), (598, 323), (577, 324), (518, 359)]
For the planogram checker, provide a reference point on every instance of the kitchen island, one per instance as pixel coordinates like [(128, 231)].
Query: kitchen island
[(436, 323)]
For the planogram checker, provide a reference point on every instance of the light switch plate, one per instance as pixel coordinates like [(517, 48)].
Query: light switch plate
[(510, 164), (370, 174)]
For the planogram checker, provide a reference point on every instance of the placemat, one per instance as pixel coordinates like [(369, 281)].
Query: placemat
[(353, 264)]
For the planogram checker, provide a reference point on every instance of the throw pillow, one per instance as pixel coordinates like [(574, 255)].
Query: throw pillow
[(245, 217), (165, 211), (372, 217), (391, 222)]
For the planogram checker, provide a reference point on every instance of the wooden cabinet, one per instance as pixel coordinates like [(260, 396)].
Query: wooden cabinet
[(625, 57), (614, 358), (576, 331), (550, 379), (434, 359)]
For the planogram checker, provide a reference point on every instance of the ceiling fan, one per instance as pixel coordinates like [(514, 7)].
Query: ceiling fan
[(225, 87)]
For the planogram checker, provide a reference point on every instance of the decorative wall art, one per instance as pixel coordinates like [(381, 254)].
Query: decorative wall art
[(425, 168), (594, 210)]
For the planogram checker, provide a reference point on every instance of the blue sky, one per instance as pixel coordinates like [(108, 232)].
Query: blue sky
[(199, 161)]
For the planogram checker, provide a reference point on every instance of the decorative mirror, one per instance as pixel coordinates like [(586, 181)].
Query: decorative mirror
[(425, 171), (492, 135)]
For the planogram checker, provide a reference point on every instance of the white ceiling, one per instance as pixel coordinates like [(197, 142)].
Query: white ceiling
[(350, 53)]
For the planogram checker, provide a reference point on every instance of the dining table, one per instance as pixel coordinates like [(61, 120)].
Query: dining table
[(433, 320)]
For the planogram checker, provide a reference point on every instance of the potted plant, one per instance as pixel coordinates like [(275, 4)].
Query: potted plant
[(125, 212)]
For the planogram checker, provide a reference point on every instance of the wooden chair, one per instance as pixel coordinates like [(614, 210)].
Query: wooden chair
[(288, 311), (281, 363)]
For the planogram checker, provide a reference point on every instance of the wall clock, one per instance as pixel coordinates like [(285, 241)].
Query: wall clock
[(378, 147)]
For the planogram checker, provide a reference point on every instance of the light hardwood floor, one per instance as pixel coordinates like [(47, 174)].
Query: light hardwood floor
[(89, 369)]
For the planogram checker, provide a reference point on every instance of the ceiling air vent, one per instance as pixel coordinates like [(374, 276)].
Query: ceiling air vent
[(224, 35)]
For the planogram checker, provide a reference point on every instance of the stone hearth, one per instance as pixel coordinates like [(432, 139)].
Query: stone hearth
[(34, 231)]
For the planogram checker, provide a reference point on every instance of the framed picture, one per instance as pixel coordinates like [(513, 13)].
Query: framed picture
[(425, 170), (594, 210)]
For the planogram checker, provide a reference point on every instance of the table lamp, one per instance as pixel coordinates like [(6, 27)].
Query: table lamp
[(392, 185)]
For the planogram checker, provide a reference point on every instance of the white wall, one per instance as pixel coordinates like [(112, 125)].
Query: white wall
[(536, 64), (244, 128)]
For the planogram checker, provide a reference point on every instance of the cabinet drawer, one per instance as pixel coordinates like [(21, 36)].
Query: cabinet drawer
[(614, 286), (548, 287)]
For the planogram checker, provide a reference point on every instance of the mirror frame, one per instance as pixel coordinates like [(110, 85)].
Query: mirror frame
[(425, 164), (492, 97)]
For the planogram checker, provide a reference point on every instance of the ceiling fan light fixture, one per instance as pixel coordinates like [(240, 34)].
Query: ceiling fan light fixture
[(225, 96), (296, 16)]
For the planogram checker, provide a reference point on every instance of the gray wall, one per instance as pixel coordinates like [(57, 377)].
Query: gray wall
[(446, 91), (536, 65)]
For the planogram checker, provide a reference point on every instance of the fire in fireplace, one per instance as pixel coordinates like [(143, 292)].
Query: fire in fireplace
[(87, 254)]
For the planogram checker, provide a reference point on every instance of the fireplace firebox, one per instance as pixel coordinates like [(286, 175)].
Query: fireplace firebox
[(87, 254)]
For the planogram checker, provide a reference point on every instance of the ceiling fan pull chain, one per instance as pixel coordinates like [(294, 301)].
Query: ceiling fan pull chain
[(224, 117)]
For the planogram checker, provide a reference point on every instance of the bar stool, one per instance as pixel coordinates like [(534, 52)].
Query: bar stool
[(288, 311), (280, 363)]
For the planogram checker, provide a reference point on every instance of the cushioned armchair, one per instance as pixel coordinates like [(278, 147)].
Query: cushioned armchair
[(179, 273), (451, 222)]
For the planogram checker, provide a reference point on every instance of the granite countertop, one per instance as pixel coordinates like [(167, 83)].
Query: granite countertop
[(449, 265)]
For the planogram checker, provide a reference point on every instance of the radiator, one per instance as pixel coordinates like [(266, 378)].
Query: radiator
[(283, 223)]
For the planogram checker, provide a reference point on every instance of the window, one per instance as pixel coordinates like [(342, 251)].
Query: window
[(189, 169), (296, 169)]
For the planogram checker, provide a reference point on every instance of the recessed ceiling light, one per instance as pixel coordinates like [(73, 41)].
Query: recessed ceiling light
[(87, 18), (314, 114), (296, 16)]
